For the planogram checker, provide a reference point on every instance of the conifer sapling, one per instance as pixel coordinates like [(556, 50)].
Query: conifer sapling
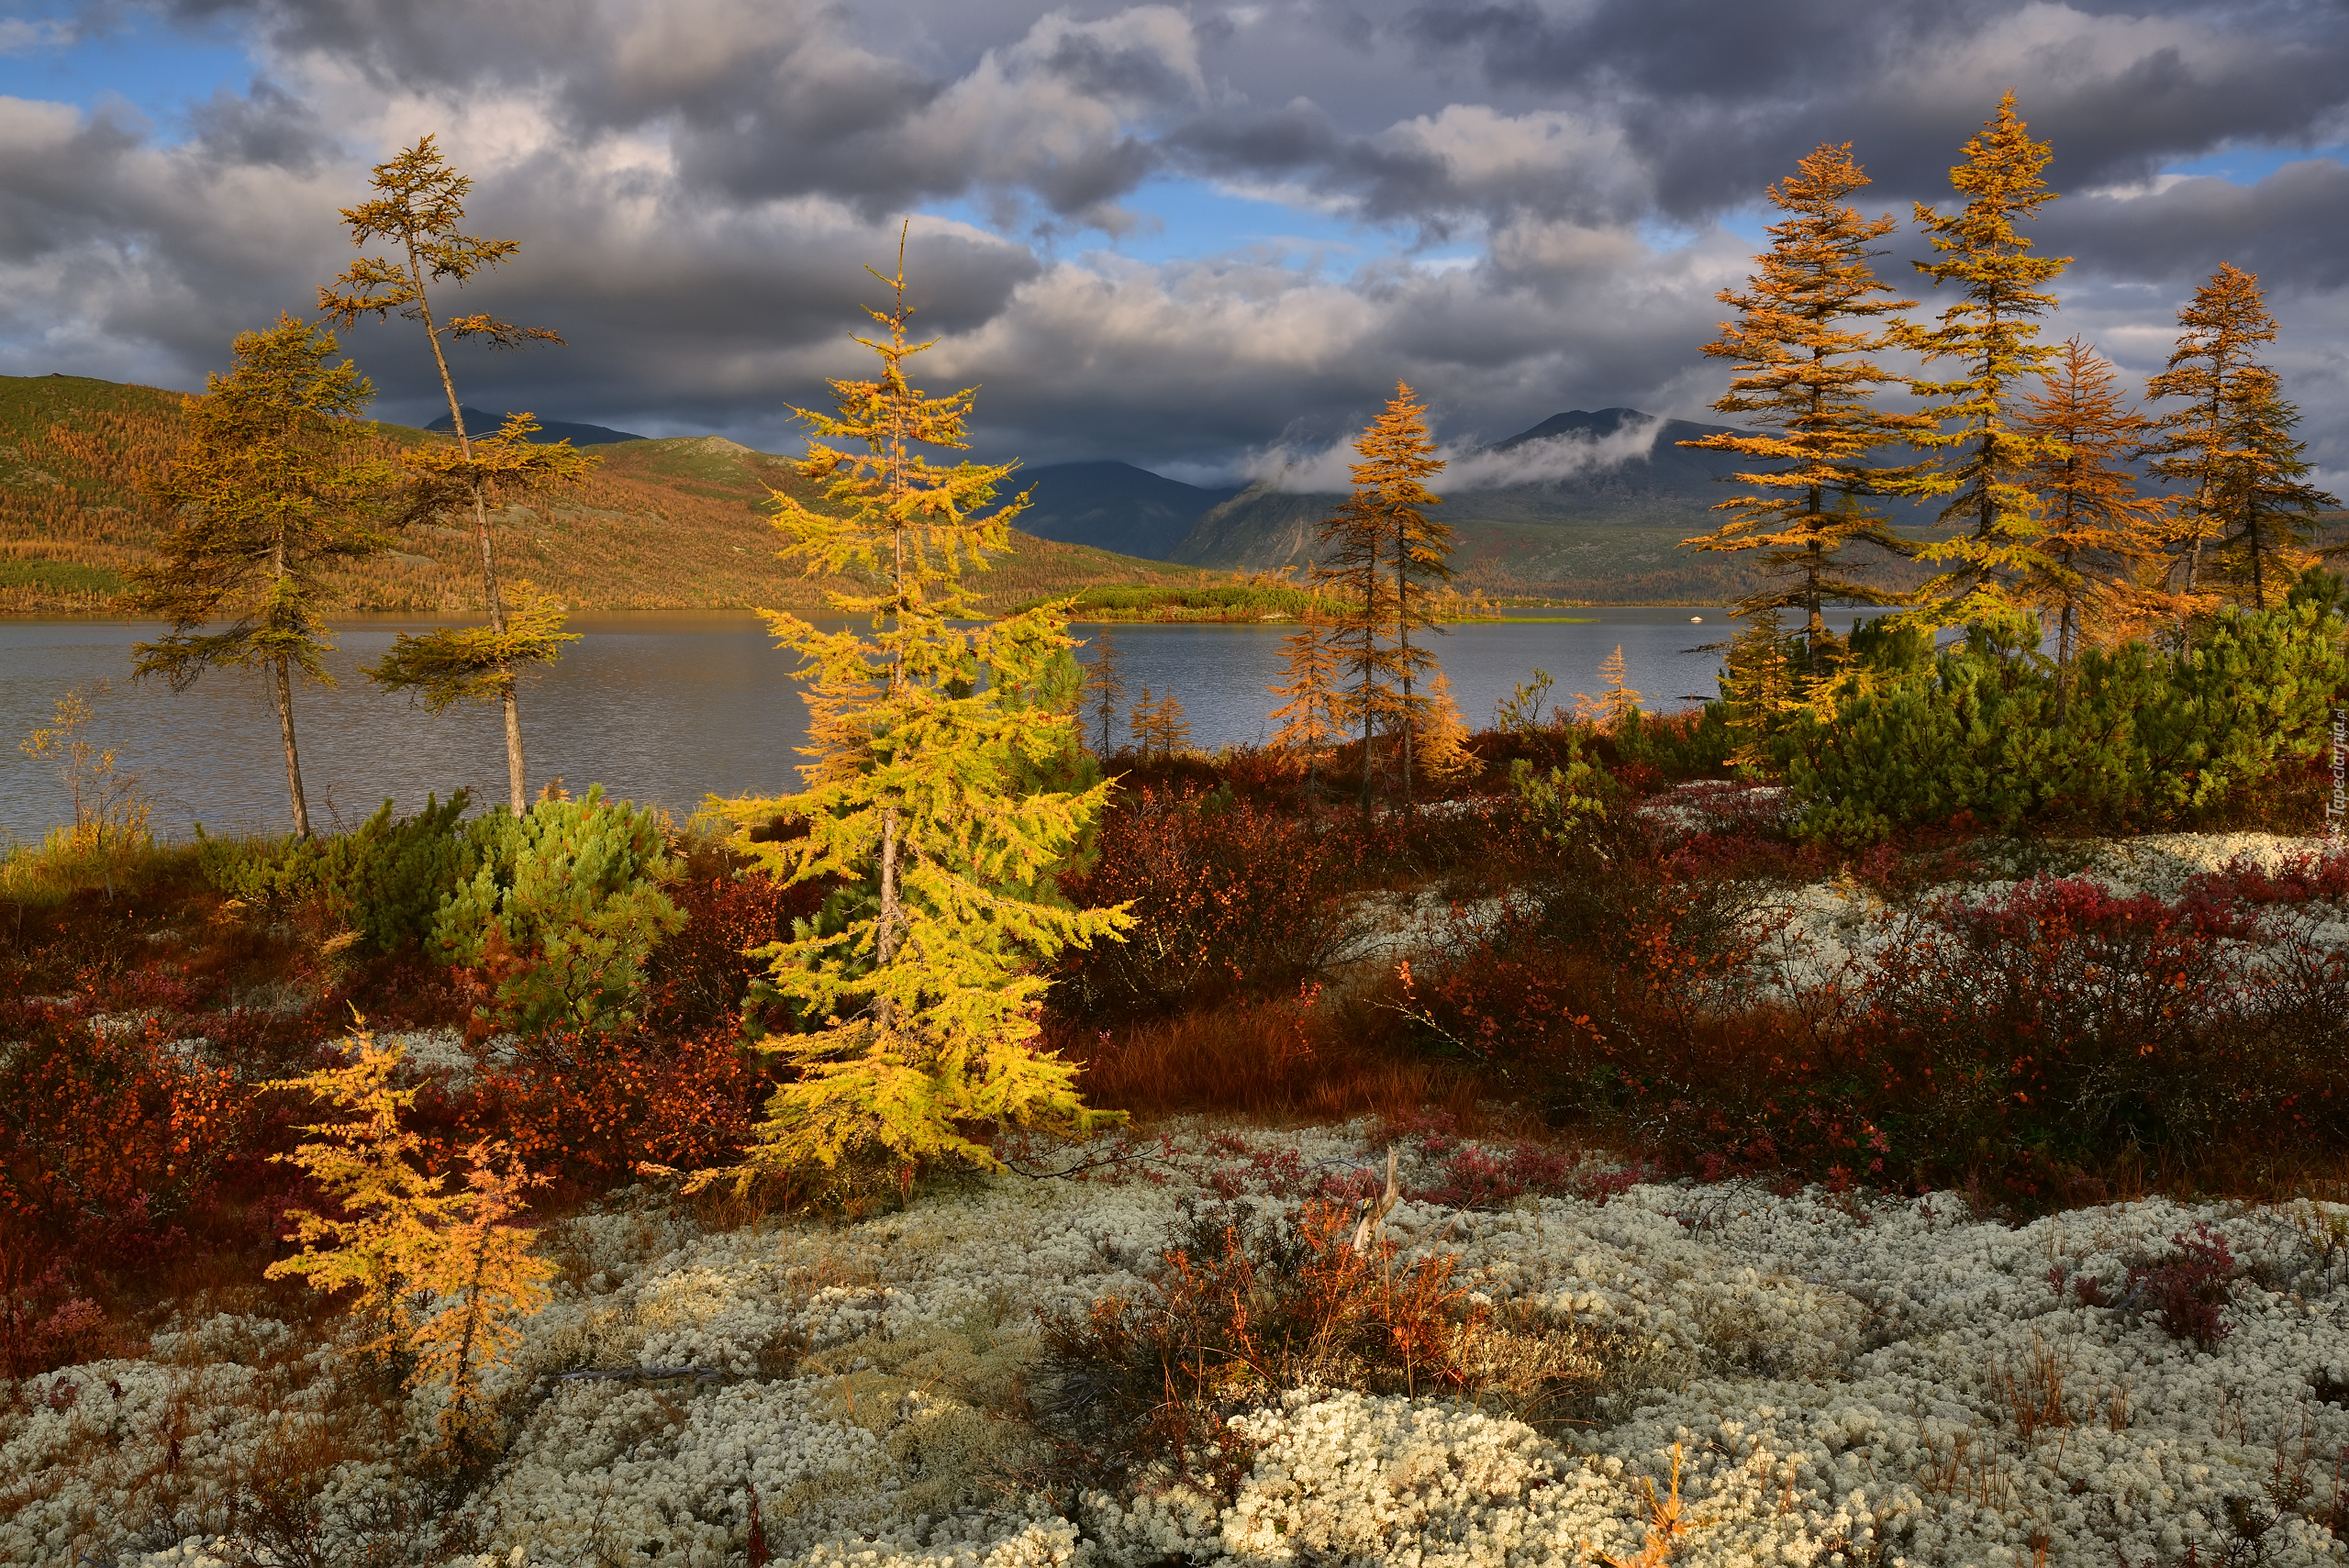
[(918, 1007)]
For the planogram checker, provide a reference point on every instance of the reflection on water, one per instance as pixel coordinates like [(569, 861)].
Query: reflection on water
[(671, 708)]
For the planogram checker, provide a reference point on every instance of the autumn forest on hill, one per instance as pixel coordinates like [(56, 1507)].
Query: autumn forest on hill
[(1895, 1111)]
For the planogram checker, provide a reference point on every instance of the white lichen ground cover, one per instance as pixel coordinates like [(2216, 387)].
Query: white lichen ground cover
[(1848, 1382), (1830, 932)]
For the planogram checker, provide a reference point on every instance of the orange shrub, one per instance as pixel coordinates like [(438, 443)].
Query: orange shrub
[(105, 1135)]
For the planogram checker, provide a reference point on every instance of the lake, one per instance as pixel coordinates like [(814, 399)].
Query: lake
[(669, 709)]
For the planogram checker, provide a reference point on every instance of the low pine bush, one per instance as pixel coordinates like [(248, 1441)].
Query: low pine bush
[(2144, 740), (558, 911), (386, 879)]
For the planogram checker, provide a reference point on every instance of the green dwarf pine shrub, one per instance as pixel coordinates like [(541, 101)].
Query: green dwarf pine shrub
[(2149, 739), (385, 879), (563, 906)]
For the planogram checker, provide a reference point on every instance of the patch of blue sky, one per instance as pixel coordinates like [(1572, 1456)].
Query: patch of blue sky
[(1190, 220), (49, 52), (2248, 165)]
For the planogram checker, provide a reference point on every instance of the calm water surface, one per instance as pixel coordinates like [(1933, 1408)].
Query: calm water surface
[(669, 709)]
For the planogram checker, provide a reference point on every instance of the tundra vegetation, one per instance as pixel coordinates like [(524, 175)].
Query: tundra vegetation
[(1891, 1112)]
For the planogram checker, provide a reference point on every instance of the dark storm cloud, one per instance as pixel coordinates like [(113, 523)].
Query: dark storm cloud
[(698, 182), (264, 125), (1720, 98), (2292, 228)]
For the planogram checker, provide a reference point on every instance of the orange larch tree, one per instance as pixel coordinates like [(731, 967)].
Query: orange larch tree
[(2231, 442), (2095, 526), (1989, 335), (1802, 347)]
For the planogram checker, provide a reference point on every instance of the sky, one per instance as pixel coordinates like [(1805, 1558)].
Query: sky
[(1205, 238)]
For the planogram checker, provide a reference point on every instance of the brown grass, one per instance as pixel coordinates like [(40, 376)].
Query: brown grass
[(1273, 1063)]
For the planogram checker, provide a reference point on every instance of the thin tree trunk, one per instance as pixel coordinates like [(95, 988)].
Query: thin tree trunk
[(284, 689), (1403, 644), (885, 942), (515, 775), (1814, 624), (516, 784)]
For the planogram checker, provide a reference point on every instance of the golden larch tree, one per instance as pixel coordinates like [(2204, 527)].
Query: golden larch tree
[(1105, 685), (1979, 458), (1398, 457), (418, 204), (2094, 527), (2232, 444), (1802, 347), (1617, 705), (920, 1007), (1309, 722), (277, 484), (441, 1275), (1353, 565)]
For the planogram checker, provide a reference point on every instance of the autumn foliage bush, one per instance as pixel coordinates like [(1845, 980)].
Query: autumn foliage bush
[(2029, 1038), (588, 1105), (107, 1134), (1242, 1305), (1231, 897)]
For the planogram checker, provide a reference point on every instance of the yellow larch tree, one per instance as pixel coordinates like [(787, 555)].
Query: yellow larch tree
[(418, 204), (442, 1275), (920, 1007)]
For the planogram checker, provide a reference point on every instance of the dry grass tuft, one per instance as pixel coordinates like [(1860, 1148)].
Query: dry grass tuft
[(1268, 1062)]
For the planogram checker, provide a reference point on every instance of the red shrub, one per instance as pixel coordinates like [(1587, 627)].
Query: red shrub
[(588, 1106), (2300, 879), (1229, 897), (105, 1135), (699, 977), (2190, 1290), (43, 1323)]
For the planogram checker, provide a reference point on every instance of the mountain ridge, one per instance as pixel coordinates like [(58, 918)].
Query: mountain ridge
[(680, 523), (478, 423)]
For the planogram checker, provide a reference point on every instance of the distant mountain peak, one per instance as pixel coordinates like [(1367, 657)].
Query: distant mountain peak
[(1597, 425), (478, 423)]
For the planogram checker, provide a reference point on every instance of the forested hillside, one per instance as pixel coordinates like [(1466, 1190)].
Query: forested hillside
[(678, 523)]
